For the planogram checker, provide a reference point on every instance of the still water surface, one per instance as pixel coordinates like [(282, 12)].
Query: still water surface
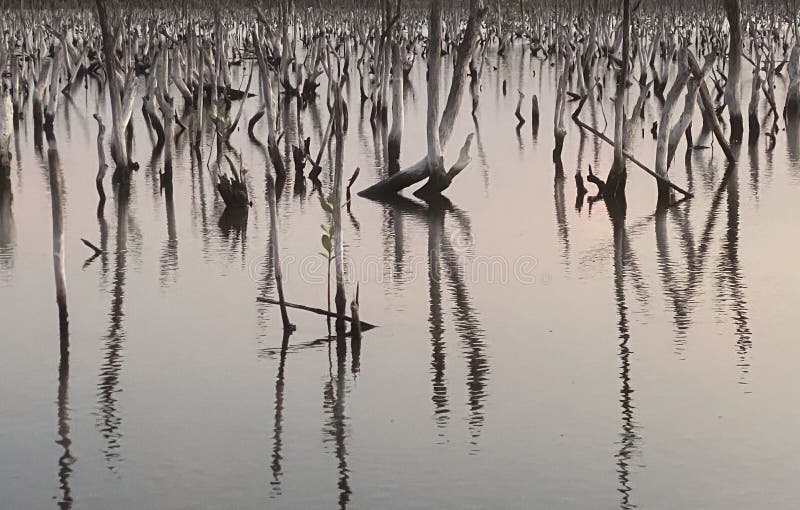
[(530, 354)]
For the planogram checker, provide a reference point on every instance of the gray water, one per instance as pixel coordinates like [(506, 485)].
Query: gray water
[(529, 354)]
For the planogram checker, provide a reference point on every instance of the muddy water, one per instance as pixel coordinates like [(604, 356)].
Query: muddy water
[(531, 352)]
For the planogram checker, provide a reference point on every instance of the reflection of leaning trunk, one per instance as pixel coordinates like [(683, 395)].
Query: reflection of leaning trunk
[(66, 460), (7, 229), (468, 327), (628, 435), (277, 433), (730, 277), (435, 319), (336, 426), (109, 416)]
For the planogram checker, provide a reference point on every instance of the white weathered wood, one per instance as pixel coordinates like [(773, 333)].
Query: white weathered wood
[(101, 158), (732, 87), (692, 90), (673, 96)]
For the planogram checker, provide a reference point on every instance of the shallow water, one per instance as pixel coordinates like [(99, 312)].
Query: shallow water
[(529, 354)]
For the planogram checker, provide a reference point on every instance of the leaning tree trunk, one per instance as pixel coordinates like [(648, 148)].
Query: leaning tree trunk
[(662, 146), (708, 109), (685, 120), (269, 108), (148, 105), (732, 96)]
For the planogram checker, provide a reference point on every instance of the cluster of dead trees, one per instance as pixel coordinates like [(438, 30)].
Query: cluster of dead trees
[(189, 51), (692, 58), (176, 65)]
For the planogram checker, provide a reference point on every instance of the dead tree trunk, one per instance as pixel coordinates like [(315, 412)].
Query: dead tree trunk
[(148, 105), (337, 203), (754, 126), (435, 158), (269, 108), (685, 120), (42, 82), (662, 145), (396, 133), (57, 206), (732, 95), (419, 171), (6, 131), (792, 105), (101, 161), (618, 176), (167, 106), (52, 100), (119, 152), (276, 260), (708, 106), (559, 129)]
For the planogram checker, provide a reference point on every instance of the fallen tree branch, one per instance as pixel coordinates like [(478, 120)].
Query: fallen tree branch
[(587, 127), (319, 311)]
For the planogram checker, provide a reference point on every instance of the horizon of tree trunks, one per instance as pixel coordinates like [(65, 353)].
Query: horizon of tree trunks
[(684, 56)]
